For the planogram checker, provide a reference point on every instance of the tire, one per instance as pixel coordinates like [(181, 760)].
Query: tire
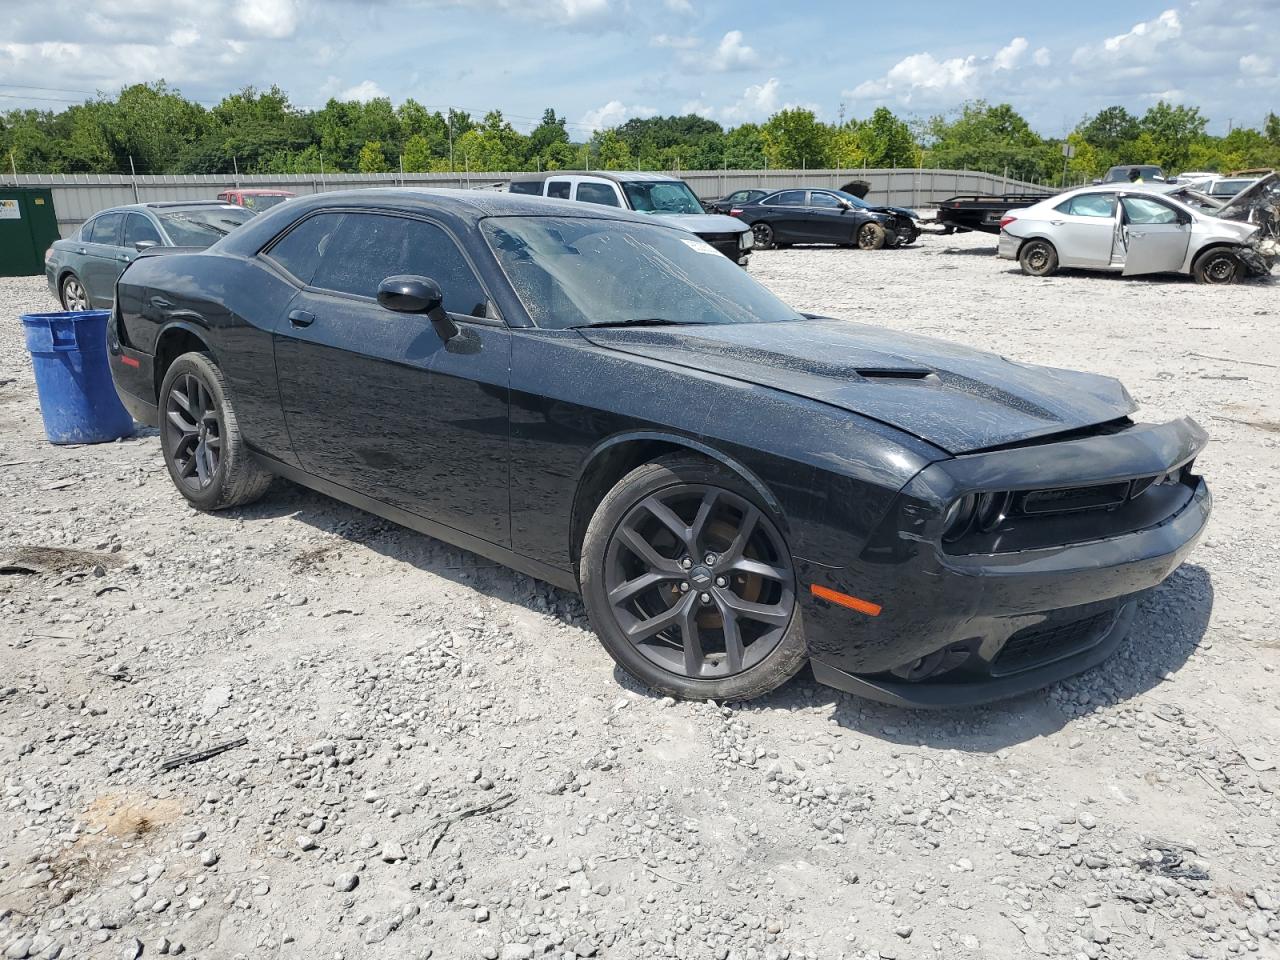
[(1038, 258), (626, 594), (871, 236), (909, 236), (765, 239), (72, 294), (1218, 266), (200, 437)]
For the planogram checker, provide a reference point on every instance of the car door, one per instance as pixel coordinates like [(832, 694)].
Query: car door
[(138, 229), (786, 214), (375, 400), (827, 218), (1154, 234), (1083, 229), (597, 191), (100, 254)]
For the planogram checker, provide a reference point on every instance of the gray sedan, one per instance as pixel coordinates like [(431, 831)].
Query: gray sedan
[(82, 269)]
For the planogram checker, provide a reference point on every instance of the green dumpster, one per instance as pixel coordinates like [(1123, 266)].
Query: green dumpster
[(27, 226)]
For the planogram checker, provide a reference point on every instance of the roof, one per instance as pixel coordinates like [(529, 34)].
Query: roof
[(617, 176), (164, 204), (260, 192)]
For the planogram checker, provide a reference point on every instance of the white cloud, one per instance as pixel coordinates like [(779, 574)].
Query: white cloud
[(679, 6), (1141, 44), (757, 102), (613, 113), (364, 91), (1255, 66), (1042, 57), (275, 19), (1007, 58), (733, 54), (921, 73), (673, 42)]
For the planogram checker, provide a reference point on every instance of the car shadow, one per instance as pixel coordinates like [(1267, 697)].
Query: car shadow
[(969, 251), (1170, 624)]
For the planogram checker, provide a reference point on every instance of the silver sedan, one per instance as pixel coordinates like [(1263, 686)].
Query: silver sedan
[(1136, 229)]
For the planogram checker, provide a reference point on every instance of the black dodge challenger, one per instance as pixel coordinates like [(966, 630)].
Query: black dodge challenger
[(604, 402)]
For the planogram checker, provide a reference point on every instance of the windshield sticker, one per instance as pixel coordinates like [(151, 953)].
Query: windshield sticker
[(700, 246)]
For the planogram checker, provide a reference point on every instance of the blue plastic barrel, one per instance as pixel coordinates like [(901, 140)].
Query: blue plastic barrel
[(77, 399)]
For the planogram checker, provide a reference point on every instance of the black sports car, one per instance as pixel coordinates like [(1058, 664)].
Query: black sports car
[(729, 201), (603, 401), (826, 216)]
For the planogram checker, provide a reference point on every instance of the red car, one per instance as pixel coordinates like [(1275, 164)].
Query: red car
[(255, 200)]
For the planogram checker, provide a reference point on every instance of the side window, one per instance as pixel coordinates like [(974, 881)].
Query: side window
[(299, 251), (1090, 205), (825, 200), (106, 229), (788, 198), (558, 189), (598, 193), (738, 197), (138, 228), (531, 187), (1142, 210), (368, 248)]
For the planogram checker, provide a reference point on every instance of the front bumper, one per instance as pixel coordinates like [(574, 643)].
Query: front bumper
[(1022, 612)]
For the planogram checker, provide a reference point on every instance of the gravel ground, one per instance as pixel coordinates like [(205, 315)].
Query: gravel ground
[(440, 759)]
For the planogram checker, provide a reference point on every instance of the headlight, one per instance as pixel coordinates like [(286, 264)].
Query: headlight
[(746, 240), (992, 508), (955, 523)]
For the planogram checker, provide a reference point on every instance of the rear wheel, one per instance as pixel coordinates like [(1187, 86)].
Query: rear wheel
[(1218, 266), (689, 583), (763, 234), (1038, 258), (72, 293), (201, 440), (871, 236)]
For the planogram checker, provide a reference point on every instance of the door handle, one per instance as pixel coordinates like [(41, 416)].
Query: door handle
[(1136, 235), (160, 303), (301, 318), (81, 250), (125, 257)]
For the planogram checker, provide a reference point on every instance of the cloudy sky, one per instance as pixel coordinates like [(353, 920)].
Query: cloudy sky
[(600, 62)]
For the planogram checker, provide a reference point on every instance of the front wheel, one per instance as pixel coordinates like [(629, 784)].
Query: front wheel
[(72, 294), (908, 236), (690, 585), (872, 236), (764, 235), (201, 440), (1218, 266), (1038, 258)]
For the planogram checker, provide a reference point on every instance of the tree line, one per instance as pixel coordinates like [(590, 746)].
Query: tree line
[(153, 129)]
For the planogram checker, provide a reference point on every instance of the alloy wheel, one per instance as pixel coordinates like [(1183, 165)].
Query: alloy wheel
[(763, 234), (700, 581), (193, 433), (73, 295)]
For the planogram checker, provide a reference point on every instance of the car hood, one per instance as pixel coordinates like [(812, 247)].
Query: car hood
[(704, 222), (898, 211), (957, 399), (1259, 202)]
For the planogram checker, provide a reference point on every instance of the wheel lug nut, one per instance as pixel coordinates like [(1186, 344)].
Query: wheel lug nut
[(711, 558), (721, 582), (705, 598), (686, 563), (684, 588)]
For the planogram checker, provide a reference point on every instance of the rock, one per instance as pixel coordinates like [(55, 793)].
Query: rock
[(517, 951), (131, 949), (305, 843), (1264, 900), (19, 949), (481, 915), (214, 700), (209, 857), (393, 852), (346, 882)]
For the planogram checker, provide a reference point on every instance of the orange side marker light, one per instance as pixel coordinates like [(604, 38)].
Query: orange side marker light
[(853, 603)]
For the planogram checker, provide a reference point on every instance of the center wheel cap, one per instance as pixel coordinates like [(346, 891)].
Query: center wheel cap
[(700, 576)]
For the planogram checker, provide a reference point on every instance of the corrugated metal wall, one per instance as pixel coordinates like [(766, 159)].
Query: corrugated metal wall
[(76, 197)]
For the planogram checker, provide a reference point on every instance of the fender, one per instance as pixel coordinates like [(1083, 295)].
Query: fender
[(680, 440)]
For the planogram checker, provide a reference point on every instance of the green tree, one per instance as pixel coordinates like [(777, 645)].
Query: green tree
[(744, 148), (794, 138), (1271, 128), (373, 158), (612, 152), (1173, 129), (1110, 129), (417, 155), (992, 138), (886, 141)]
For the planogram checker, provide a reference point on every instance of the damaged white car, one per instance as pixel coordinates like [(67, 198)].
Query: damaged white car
[(1138, 229)]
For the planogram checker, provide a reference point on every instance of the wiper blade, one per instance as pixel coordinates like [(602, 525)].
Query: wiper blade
[(639, 322)]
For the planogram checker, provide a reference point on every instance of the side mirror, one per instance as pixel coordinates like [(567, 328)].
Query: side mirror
[(844, 204), (145, 245), (409, 294)]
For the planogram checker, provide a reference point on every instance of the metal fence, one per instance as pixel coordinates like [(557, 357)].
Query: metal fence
[(76, 197)]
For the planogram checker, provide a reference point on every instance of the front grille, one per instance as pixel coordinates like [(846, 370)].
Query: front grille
[(1066, 499), (728, 247), (1036, 646)]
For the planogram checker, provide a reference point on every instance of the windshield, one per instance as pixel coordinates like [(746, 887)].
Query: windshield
[(570, 272), (202, 226), (857, 202), (259, 202), (1120, 174), (1197, 200), (661, 196)]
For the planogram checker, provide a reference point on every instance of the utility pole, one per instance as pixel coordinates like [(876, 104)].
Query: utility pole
[(13, 165), (133, 175), (402, 169), (450, 121), (235, 165)]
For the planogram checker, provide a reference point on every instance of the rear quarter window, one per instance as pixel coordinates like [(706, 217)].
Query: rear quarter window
[(530, 187)]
